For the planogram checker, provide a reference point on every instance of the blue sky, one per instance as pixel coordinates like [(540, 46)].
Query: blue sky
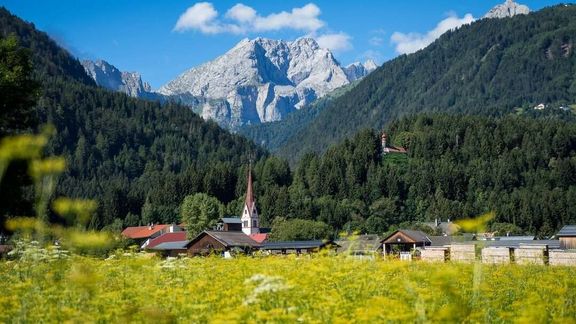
[(161, 39)]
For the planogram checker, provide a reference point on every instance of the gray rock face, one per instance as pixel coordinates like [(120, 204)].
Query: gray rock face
[(262, 80), (108, 76), (507, 9), (358, 70)]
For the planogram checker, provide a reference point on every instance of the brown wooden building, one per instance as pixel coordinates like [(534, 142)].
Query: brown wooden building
[(219, 241), (230, 224), (404, 241), (567, 237)]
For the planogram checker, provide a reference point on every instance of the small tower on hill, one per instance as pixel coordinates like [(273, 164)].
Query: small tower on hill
[(250, 220), (390, 149), (384, 140)]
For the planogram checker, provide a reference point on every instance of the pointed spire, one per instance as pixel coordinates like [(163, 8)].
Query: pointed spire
[(249, 191)]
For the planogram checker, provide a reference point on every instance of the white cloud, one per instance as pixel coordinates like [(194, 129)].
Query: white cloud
[(339, 42), (241, 19), (412, 42), (305, 18), (200, 16), (241, 13)]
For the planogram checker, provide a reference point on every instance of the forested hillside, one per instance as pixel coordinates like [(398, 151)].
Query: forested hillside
[(139, 159), (121, 151), (491, 67), (457, 166)]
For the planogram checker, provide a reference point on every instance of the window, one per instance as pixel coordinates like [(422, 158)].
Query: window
[(245, 224), (254, 223)]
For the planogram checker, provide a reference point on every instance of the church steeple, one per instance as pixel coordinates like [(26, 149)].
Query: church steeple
[(250, 220)]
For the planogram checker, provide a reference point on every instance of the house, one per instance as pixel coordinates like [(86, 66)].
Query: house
[(171, 249), (389, 149), (178, 236), (229, 224), (404, 241), (567, 237), (209, 242), (297, 247), (143, 234)]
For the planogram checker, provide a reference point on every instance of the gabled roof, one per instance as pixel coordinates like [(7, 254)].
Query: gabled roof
[(228, 239), (407, 236), (177, 245), (293, 245), (259, 237), (139, 232), (567, 231), (167, 237), (231, 220)]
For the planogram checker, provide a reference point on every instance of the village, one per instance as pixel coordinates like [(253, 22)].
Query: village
[(243, 235)]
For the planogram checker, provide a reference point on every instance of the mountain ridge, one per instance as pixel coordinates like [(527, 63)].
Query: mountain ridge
[(264, 80), (110, 77)]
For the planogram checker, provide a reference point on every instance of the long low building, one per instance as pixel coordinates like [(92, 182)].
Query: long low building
[(297, 246)]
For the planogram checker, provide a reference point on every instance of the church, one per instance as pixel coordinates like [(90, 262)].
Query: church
[(244, 234), (233, 233)]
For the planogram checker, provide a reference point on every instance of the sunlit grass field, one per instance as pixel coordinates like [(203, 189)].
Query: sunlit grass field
[(326, 289)]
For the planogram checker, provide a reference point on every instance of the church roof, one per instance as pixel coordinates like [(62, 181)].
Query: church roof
[(249, 191)]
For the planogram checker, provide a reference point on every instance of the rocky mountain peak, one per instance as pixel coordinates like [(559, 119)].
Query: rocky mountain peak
[(262, 80), (357, 70), (507, 9), (108, 76)]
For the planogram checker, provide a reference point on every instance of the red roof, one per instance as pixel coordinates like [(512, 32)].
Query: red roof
[(139, 232), (260, 237), (167, 237)]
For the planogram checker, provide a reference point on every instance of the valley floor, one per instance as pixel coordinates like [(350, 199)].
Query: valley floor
[(328, 289)]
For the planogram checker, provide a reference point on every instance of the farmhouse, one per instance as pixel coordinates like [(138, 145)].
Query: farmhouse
[(219, 241), (229, 224), (404, 241), (142, 234)]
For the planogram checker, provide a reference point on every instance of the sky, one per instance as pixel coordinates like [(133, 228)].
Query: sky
[(162, 39)]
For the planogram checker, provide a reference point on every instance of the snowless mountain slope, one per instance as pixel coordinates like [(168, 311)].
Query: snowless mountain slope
[(263, 80), (108, 76), (507, 9)]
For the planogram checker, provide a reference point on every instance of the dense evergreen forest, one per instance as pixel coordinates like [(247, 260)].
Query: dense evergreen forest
[(140, 159), (124, 152), (492, 67)]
